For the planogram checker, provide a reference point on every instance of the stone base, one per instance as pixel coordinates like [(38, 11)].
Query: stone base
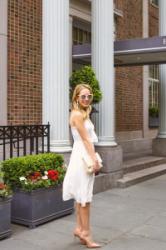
[(159, 147), (104, 182), (136, 147), (112, 158)]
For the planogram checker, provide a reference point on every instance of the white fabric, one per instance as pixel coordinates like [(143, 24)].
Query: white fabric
[(77, 183)]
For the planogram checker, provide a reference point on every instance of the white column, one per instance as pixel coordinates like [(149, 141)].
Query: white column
[(103, 64), (162, 71), (56, 72), (3, 61), (145, 17), (70, 42)]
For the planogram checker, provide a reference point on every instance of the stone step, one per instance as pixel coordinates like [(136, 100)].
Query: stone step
[(140, 163), (133, 155), (141, 175)]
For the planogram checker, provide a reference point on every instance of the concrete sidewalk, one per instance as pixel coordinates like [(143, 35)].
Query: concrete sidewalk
[(122, 219)]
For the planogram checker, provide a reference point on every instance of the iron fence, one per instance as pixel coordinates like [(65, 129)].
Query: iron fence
[(17, 140)]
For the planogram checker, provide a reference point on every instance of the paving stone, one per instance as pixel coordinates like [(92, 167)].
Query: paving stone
[(121, 219), (128, 242), (151, 232)]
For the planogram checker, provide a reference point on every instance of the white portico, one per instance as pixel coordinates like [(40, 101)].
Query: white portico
[(56, 72), (56, 67), (103, 63), (56, 57)]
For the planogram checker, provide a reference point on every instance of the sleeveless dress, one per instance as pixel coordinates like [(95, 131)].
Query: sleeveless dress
[(78, 184)]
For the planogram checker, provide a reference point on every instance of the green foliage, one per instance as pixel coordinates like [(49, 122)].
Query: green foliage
[(1, 175), (5, 191), (18, 172), (86, 75), (154, 111)]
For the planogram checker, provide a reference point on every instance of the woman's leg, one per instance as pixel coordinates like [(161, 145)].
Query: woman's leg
[(78, 228), (85, 219), (78, 218), (85, 216)]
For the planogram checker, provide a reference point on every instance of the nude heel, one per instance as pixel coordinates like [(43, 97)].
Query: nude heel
[(77, 235), (89, 242)]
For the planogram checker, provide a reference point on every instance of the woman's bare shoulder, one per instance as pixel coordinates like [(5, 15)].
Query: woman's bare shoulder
[(75, 116)]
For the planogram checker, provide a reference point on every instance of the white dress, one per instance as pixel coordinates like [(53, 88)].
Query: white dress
[(78, 184)]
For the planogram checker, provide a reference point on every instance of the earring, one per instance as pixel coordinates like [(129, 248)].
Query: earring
[(77, 104)]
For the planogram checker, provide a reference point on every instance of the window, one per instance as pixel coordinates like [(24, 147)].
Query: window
[(154, 86), (81, 36), (155, 2)]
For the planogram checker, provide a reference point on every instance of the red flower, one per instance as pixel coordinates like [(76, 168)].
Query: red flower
[(2, 186), (34, 176), (53, 175), (37, 174)]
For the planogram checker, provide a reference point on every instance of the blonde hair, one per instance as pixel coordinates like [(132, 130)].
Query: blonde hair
[(75, 105)]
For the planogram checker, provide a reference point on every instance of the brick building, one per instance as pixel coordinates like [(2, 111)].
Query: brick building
[(36, 39)]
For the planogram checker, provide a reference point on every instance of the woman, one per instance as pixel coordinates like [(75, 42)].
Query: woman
[(78, 184)]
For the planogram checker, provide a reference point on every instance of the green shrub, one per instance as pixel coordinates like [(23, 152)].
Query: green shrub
[(154, 111), (34, 171), (86, 75)]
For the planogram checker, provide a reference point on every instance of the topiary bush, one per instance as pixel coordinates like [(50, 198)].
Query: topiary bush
[(86, 75), (34, 171)]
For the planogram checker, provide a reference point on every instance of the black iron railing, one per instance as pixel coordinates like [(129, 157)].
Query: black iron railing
[(17, 140)]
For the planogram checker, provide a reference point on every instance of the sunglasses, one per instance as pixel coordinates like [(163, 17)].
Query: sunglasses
[(86, 97)]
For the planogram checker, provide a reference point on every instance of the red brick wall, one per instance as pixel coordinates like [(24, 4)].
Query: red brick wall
[(129, 99), (130, 25), (129, 87), (153, 20), (24, 61)]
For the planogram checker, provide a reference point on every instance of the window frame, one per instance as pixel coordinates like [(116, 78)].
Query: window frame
[(154, 3), (154, 85)]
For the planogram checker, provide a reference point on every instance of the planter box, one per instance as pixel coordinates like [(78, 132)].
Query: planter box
[(39, 206), (153, 122), (5, 218)]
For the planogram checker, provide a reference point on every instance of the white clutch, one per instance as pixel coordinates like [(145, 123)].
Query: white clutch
[(89, 163)]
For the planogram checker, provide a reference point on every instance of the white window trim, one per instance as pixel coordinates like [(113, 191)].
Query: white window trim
[(155, 5)]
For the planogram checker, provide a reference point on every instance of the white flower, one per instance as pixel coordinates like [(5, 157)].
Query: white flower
[(22, 178), (45, 177), (64, 166), (45, 172)]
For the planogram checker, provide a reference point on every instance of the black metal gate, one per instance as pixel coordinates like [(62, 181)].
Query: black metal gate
[(17, 140)]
